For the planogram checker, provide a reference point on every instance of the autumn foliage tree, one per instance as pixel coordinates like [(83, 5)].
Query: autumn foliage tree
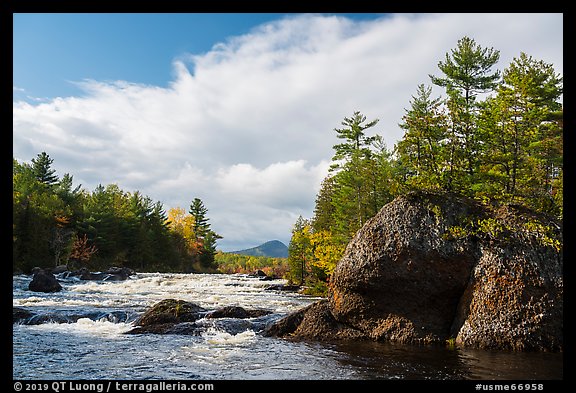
[(81, 251)]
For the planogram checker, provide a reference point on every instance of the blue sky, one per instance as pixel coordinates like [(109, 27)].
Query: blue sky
[(236, 109), (51, 51)]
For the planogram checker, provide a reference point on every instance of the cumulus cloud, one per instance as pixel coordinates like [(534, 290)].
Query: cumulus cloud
[(248, 126)]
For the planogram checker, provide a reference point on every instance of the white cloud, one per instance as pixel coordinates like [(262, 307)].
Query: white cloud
[(248, 126), (283, 185)]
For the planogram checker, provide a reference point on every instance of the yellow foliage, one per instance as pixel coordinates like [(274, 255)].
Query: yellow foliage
[(327, 252), (182, 223), (61, 220)]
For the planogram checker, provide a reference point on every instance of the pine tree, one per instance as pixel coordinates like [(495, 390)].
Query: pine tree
[(467, 73), (324, 208), (351, 157), (204, 236), (356, 141), (42, 169), (522, 132), (421, 148), (200, 225)]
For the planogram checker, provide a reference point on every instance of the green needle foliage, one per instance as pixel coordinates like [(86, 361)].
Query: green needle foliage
[(495, 136)]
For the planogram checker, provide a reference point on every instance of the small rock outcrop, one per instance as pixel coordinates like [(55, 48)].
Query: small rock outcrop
[(172, 316), (432, 267), (314, 322), (236, 312), (44, 281), (169, 316), (111, 274), (20, 315)]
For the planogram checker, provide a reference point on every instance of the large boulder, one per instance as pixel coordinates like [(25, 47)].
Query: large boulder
[(399, 279), (514, 298), (432, 267), (44, 281)]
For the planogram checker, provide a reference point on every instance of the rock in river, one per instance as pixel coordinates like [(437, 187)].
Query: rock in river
[(44, 281), (431, 267), (236, 312), (172, 316), (169, 316)]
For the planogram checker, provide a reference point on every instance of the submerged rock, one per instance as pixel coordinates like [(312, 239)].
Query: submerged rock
[(27, 317), (236, 312), (112, 274), (21, 315), (283, 287), (434, 267)]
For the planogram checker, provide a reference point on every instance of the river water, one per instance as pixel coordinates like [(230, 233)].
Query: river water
[(91, 344)]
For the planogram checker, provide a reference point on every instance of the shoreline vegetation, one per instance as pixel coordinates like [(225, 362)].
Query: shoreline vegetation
[(494, 137)]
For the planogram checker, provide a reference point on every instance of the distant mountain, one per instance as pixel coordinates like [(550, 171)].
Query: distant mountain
[(273, 249)]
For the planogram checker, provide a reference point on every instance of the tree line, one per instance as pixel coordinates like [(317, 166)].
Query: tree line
[(55, 223), (231, 263), (494, 136)]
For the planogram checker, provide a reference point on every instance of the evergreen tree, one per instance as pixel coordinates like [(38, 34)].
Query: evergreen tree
[(323, 218), (99, 222), (204, 236), (522, 132), (40, 217), (467, 70), (467, 73), (422, 147), (42, 169), (300, 252), (351, 158), (356, 142), (200, 225)]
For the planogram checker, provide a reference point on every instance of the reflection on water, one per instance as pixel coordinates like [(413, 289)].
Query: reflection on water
[(396, 361)]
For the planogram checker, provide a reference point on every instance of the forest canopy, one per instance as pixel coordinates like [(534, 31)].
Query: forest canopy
[(55, 223)]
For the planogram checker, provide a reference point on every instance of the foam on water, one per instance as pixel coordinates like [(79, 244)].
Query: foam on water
[(215, 336), (82, 327), (145, 289)]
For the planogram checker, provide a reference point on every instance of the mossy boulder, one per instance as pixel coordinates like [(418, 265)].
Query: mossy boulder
[(171, 316), (437, 267), (165, 316)]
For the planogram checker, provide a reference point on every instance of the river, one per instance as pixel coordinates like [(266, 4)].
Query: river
[(92, 343)]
